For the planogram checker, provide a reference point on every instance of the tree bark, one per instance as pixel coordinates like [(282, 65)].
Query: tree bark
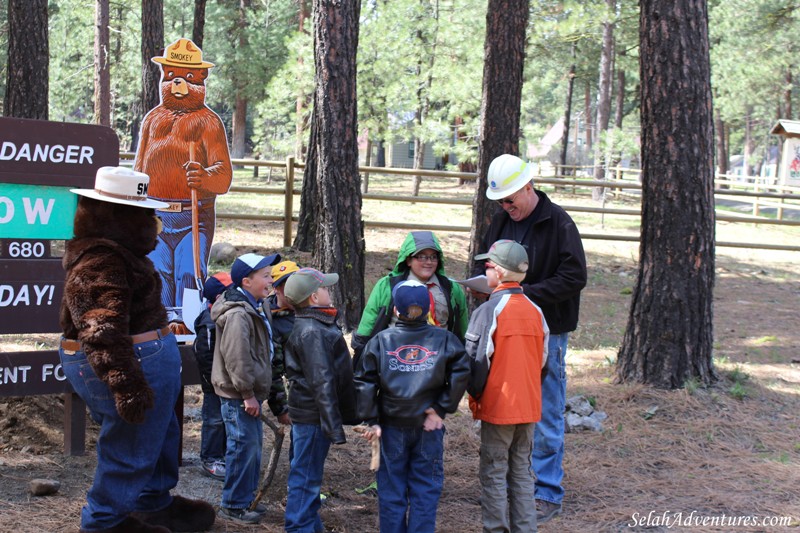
[(339, 245), (423, 93), (307, 220), (603, 100), (669, 336), (722, 152), (787, 94), (152, 45), (27, 78), (102, 67), (239, 122), (199, 23), (587, 103), (567, 115), (504, 58), (749, 142)]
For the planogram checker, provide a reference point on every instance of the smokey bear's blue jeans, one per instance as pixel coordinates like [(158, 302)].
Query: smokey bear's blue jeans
[(137, 464)]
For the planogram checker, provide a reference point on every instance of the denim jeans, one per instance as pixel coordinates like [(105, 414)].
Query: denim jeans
[(548, 439), (242, 455), (137, 464), (310, 448), (410, 479), (212, 432), (507, 481)]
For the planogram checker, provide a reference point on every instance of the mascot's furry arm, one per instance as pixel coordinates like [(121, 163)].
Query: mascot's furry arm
[(98, 298)]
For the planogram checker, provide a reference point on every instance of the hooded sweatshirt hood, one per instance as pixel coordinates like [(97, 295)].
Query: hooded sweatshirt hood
[(413, 243)]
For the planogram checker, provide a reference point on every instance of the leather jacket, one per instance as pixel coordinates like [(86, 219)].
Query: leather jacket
[(320, 373), (406, 369)]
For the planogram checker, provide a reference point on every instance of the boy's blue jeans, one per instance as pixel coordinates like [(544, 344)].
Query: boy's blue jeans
[(242, 455), (410, 479), (212, 434), (548, 439), (310, 448), (137, 464)]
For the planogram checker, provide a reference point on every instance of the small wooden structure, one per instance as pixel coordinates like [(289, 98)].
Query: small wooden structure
[(789, 170)]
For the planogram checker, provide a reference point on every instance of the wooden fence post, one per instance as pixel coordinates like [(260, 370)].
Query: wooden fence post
[(288, 202)]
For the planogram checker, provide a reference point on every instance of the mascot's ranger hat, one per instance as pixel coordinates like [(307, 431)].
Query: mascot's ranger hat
[(182, 53), (507, 174), (121, 185)]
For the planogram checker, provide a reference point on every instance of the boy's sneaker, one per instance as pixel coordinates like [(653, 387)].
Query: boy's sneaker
[(260, 509), (546, 511), (214, 469), (242, 516)]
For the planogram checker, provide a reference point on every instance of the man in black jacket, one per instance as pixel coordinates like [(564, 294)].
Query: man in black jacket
[(554, 281)]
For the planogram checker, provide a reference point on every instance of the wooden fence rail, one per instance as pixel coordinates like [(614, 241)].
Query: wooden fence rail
[(756, 195)]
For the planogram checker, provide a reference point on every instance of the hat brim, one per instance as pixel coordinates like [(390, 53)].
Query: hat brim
[(329, 279), (167, 62), (280, 281), (268, 260), (481, 257), (145, 202)]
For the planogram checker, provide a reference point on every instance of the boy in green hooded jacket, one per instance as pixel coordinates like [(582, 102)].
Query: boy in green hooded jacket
[(420, 259)]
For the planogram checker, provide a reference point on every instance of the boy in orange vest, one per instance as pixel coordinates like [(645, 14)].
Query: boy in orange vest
[(507, 345)]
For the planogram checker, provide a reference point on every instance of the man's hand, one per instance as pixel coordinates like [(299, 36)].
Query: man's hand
[(252, 406), (433, 421)]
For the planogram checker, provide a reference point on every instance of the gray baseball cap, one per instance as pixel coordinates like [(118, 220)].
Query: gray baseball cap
[(508, 254), (305, 282)]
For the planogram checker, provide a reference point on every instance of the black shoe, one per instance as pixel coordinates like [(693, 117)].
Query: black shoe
[(242, 516), (546, 511)]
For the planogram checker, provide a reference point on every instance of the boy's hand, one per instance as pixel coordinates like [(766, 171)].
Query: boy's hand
[(252, 407), (433, 421), (284, 419), (370, 433)]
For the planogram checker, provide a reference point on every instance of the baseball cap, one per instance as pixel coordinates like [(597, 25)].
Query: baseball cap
[(305, 282), (282, 271), (215, 285), (408, 294), (247, 263), (508, 254)]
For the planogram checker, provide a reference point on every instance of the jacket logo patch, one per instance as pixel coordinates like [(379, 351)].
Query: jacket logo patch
[(410, 358)]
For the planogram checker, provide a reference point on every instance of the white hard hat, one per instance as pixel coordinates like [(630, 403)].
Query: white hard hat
[(507, 174)]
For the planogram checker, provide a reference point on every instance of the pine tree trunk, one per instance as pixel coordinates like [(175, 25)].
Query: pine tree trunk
[(102, 66), (603, 102), (749, 142), (504, 57), (152, 45), (27, 81), (199, 23), (669, 336), (339, 245), (239, 127), (308, 218), (587, 104), (563, 172)]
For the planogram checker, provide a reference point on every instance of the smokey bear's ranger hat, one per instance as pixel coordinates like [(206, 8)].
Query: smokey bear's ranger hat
[(121, 185), (182, 53)]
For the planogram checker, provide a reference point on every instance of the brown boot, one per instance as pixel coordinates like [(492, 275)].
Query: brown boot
[(182, 514), (131, 525)]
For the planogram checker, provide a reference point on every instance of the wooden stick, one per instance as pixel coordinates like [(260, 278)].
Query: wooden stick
[(375, 460), (272, 465), (198, 271)]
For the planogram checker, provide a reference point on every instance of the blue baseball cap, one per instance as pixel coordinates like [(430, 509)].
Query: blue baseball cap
[(247, 263), (409, 294)]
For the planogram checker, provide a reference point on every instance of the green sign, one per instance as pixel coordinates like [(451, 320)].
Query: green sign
[(36, 211)]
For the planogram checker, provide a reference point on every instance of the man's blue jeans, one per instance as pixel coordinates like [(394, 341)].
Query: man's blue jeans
[(242, 455), (310, 448), (548, 438), (137, 464), (212, 435), (410, 479)]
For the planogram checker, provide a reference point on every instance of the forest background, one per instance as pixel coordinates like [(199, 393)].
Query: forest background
[(420, 68)]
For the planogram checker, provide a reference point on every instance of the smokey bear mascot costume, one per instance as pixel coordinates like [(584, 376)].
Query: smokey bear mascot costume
[(122, 360)]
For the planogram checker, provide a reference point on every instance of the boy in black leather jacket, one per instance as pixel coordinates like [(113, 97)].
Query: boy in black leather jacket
[(321, 392), (407, 379)]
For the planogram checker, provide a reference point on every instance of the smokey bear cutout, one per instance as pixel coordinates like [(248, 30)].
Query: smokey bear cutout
[(184, 150), (122, 360)]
